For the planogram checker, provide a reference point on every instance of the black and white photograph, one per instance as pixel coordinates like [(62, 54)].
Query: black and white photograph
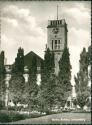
[(45, 62)]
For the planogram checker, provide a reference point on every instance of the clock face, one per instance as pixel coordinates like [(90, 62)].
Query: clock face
[(55, 30)]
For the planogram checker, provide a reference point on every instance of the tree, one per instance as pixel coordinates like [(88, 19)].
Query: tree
[(82, 76), (81, 79), (64, 76), (89, 65), (89, 55), (47, 86), (2, 68), (16, 88), (31, 88), (82, 98), (59, 94), (2, 76), (17, 82), (48, 94), (49, 62), (18, 66), (2, 90)]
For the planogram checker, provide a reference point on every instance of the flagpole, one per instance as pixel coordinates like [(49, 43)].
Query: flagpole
[(57, 12)]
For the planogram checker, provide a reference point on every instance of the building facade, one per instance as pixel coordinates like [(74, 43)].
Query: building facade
[(57, 39)]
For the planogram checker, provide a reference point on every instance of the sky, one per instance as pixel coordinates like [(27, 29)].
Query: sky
[(25, 23)]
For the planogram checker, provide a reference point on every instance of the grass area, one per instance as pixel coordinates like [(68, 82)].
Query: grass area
[(6, 116), (61, 118), (11, 116)]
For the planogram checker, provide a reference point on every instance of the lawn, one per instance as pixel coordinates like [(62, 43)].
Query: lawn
[(61, 118), (12, 116)]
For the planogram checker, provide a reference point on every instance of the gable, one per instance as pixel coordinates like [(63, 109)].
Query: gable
[(28, 59)]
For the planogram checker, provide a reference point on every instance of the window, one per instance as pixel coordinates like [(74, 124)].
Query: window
[(57, 44), (55, 41), (52, 44), (58, 41), (60, 21)]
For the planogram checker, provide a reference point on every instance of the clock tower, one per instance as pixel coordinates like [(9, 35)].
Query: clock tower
[(57, 39)]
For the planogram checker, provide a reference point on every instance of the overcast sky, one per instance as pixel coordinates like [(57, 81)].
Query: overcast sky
[(24, 24)]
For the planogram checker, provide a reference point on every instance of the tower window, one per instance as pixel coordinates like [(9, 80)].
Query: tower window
[(58, 41), (57, 44), (55, 41), (52, 44), (60, 21)]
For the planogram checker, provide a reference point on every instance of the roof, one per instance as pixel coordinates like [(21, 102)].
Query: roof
[(30, 56)]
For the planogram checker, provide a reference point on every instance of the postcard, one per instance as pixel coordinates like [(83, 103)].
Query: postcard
[(45, 62)]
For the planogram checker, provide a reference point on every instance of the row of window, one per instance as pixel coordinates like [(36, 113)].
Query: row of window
[(56, 44), (57, 22)]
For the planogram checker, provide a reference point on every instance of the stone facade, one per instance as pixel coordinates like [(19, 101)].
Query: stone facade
[(57, 39)]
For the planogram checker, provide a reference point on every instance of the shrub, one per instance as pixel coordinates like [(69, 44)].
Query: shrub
[(11, 108), (1, 104), (4, 117), (35, 115), (16, 117), (8, 116)]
